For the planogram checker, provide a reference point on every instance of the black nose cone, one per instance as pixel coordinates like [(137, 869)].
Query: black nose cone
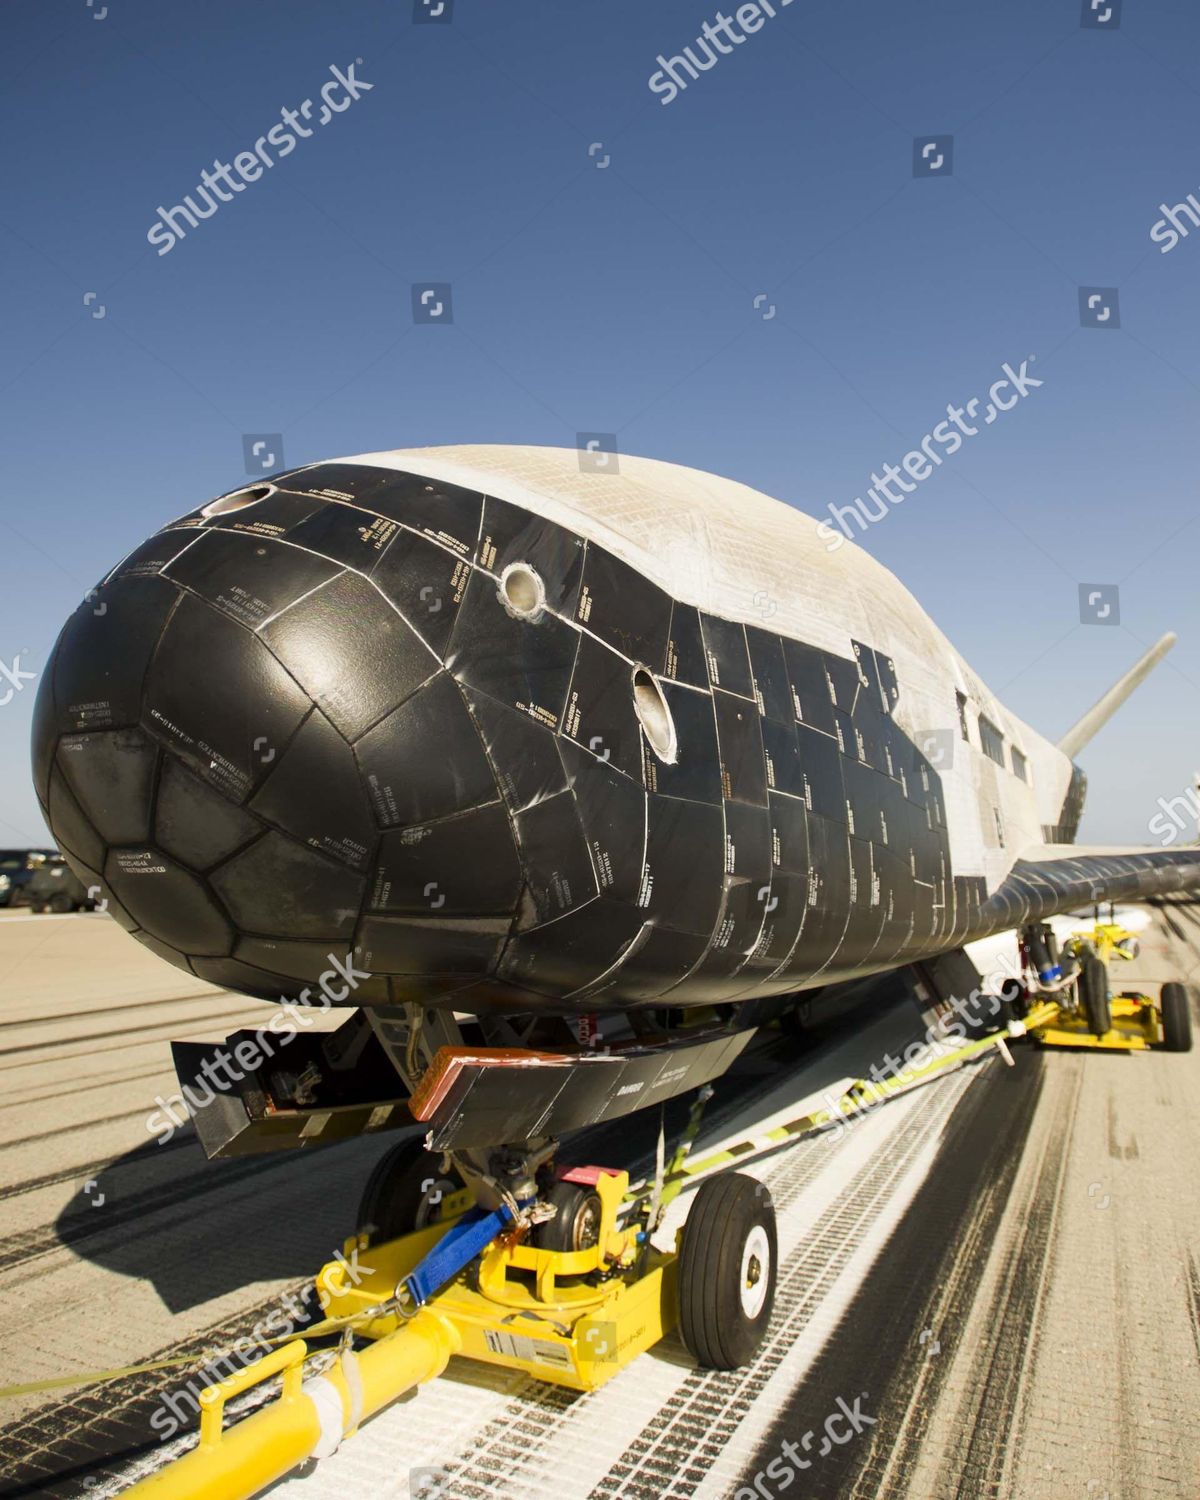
[(247, 740)]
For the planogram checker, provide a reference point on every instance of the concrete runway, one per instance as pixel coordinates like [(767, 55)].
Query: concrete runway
[(1001, 1269)]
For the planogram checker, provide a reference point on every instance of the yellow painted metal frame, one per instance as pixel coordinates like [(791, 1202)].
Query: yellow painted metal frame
[(254, 1453), (1136, 1019), (572, 1318), (1136, 1026)]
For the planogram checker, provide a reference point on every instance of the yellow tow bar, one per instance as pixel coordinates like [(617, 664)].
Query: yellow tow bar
[(310, 1417)]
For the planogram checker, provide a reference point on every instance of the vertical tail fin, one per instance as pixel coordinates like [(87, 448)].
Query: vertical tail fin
[(1099, 714)]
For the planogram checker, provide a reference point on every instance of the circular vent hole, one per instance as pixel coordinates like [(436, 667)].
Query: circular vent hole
[(654, 715), (523, 590), (238, 500)]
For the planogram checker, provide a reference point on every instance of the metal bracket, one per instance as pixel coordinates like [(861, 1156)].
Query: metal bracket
[(411, 1036)]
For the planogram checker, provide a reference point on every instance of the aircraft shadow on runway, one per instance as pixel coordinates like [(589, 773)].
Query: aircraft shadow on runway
[(197, 1230)]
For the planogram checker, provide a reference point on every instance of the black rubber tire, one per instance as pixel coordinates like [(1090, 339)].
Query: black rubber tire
[(576, 1225), (399, 1195), (1013, 1000), (1093, 992), (61, 903), (1176, 1018), (796, 1024), (1003, 1016), (719, 1329)]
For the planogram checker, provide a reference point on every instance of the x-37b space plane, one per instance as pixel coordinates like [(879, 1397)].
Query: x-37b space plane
[(511, 753)]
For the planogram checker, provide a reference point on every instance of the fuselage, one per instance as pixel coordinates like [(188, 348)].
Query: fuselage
[(518, 731)]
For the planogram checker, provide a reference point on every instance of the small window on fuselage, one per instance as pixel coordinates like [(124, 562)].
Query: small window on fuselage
[(991, 740)]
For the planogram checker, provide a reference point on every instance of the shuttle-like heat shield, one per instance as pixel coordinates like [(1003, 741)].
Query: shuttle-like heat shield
[(361, 715)]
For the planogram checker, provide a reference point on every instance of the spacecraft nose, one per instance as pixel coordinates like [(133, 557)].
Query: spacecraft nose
[(259, 758)]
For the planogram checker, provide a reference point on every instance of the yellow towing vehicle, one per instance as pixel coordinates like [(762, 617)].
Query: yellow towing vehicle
[(1070, 1003)]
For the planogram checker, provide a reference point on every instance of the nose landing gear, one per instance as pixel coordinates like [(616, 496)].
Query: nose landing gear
[(569, 1287), (494, 1253)]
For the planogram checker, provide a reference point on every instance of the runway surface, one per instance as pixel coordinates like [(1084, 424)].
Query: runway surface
[(992, 1284)]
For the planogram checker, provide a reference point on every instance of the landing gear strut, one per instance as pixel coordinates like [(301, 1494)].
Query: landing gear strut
[(553, 1253), (1070, 1001)]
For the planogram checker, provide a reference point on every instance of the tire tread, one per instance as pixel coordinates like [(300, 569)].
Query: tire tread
[(1175, 1005), (709, 1267)]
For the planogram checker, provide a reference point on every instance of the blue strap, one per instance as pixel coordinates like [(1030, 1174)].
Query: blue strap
[(456, 1249)]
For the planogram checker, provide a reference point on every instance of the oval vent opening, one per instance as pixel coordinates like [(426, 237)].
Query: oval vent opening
[(238, 500), (522, 590), (654, 715)]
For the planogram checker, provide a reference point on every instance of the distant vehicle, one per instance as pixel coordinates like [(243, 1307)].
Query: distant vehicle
[(53, 886), (17, 868)]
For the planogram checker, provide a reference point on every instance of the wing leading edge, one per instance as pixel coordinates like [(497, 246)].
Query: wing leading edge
[(1055, 878)]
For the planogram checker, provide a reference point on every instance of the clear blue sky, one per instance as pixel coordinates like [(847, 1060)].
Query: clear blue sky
[(619, 298)]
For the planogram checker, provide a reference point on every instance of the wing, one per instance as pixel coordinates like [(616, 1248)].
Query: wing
[(1054, 878)]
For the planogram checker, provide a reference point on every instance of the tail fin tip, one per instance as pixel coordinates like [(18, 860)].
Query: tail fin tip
[(1101, 711)]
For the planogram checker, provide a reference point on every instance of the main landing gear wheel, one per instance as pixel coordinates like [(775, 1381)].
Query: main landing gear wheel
[(404, 1192), (1176, 1018), (795, 1022), (1013, 1003), (727, 1270), (1093, 991), (576, 1225)]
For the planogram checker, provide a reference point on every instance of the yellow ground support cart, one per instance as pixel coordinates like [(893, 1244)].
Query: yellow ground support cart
[(1077, 1007), (572, 1302)]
